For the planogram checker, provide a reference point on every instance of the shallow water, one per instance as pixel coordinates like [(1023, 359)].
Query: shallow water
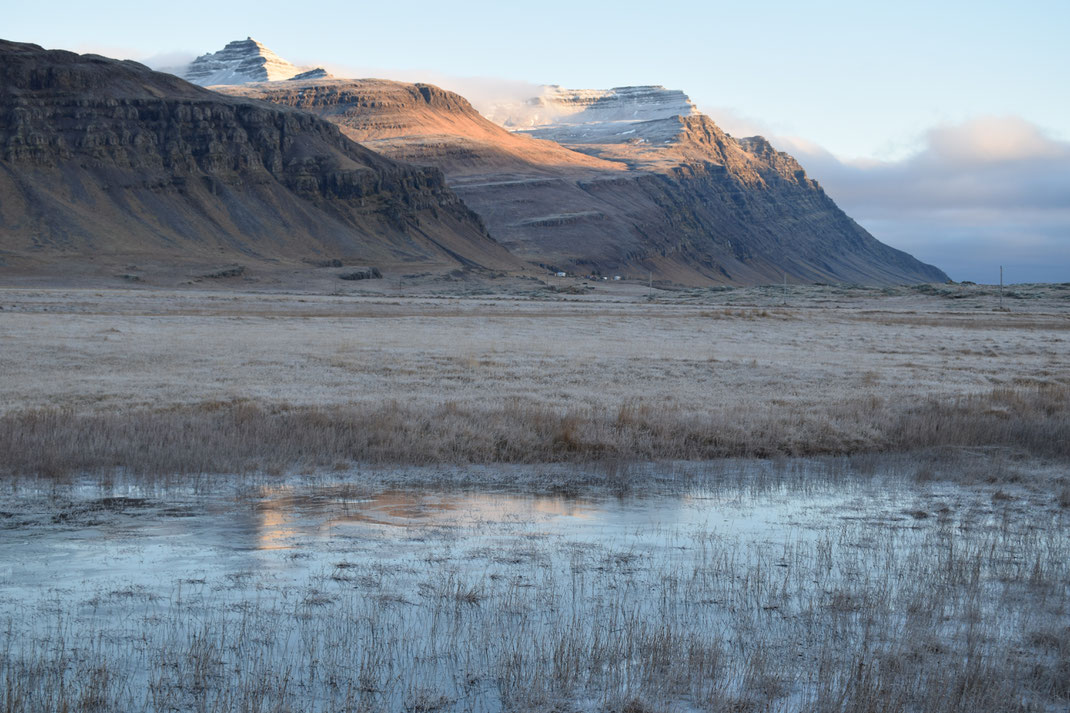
[(327, 594), (94, 538)]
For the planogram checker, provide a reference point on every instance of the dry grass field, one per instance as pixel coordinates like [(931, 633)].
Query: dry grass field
[(159, 381)]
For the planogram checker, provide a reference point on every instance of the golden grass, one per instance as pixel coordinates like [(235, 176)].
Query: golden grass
[(244, 436)]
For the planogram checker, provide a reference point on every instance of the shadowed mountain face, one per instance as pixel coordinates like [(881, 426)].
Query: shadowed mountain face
[(621, 181), (108, 161)]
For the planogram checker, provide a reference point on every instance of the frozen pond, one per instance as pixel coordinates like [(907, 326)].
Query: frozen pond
[(347, 593)]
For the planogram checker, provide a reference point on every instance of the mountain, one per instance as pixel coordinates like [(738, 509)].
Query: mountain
[(737, 206), (556, 106), (423, 124), (623, 181), (107, 162), (244, 61)]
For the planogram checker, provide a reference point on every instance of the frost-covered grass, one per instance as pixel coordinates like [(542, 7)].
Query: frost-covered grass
[(158, 381)]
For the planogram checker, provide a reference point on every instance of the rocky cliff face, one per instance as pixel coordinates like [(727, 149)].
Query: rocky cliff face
[(107, 159), (621, 181), (732, 209)]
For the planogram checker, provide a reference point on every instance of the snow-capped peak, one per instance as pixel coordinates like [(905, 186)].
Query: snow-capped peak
[(557, 106), (240, 62)]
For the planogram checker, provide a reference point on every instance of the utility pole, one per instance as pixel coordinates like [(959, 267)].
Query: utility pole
[(650, 284), (785, 287), (1000, 288)]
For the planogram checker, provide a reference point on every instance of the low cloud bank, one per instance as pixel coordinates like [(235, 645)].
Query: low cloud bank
[(988, 192)]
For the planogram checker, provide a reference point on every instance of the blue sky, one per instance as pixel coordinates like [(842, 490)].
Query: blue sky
[(858, 91)]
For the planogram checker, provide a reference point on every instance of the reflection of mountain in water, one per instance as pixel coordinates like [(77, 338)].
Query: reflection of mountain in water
[(285, 513)]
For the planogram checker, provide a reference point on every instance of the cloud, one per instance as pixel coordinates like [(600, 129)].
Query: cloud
[(165, 61), (990, 191), (735, 122), (486, 93), (993, 140)]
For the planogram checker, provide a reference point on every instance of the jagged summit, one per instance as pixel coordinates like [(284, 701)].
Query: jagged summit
[(243, 62)]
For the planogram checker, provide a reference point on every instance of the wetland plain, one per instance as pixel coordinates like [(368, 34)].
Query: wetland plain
[(818, 499)]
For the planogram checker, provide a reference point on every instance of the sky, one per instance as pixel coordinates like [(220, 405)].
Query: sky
[(942, 127)]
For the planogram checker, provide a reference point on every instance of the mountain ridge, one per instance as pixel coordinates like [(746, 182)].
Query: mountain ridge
[(631, 180), (556, 105), (615, 187), (105, 159)]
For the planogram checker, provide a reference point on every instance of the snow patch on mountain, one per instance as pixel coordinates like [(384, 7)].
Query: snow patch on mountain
[(241, 62), (622, 114), (557, 106)]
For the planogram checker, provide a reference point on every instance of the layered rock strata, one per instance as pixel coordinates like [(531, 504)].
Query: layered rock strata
[(628, 181), (103, 159)]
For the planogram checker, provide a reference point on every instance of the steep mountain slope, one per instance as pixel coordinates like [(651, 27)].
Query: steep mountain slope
[(108, 161), (734, 207), (622, 181), (422, 124)]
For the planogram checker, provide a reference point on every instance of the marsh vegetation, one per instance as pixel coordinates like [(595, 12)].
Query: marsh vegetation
[(213, 382), (799, 585), (243, 437), (226, 502)]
